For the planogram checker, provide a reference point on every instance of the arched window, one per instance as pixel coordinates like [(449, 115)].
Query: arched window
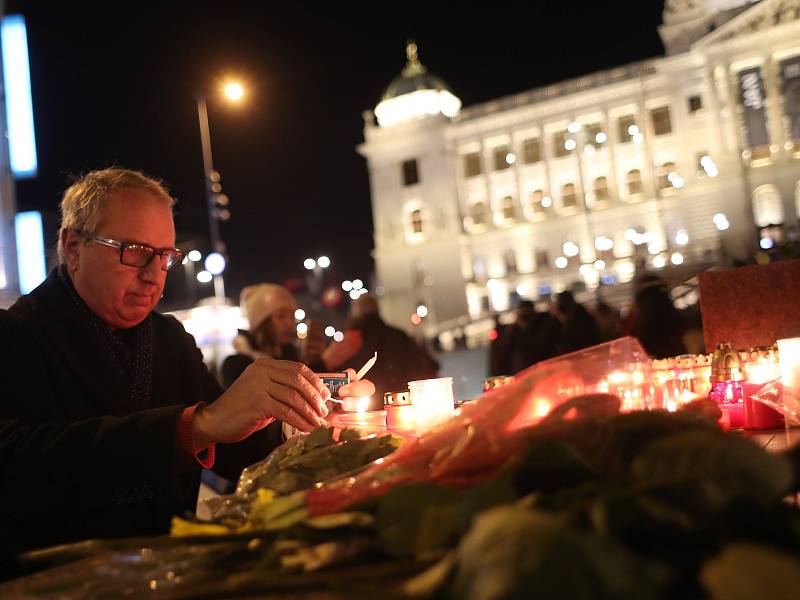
[(569, 199), (601, 189), (477, 213), (634, 181), (538, 202), (664, 181), (508, 210), (416, 222), (767, 206)]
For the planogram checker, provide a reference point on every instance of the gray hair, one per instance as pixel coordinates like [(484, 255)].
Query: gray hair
[(82, 203)]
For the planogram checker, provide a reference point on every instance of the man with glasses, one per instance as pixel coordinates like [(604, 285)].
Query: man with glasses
[(108, 412)]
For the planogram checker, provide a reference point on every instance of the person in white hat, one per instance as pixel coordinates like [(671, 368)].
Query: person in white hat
[(270, 309)]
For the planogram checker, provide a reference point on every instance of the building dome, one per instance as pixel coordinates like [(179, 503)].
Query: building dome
[(415, 94)]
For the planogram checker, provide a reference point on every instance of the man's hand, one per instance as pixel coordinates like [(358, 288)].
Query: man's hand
[(339, 353), (364, 387), (267, 390)]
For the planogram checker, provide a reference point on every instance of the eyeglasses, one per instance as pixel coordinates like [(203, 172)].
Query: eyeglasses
[(138, 255)]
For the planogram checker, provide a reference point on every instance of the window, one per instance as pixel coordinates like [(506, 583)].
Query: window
[(416, 222), (541, 259), (569, 199), (501, 154), (767, 206), (604, 248), (508, 210), (410, 174), (510, 260), (472, 164), (661, 121), (561, 147), (479, 269), (478, 213), (627, 124), (595, 135), (530, 151), (601, 189), (538, 202), (664, 180), (695, 104), (634, 181)]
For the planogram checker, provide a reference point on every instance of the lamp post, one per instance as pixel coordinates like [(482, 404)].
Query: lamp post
[(234, 92)]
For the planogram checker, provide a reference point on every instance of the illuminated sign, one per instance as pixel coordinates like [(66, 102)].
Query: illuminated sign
[(19, 106), (30, 250)]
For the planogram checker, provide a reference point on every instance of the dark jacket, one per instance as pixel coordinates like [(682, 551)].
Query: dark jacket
[(73, 464), (235, 364), (400, 358)]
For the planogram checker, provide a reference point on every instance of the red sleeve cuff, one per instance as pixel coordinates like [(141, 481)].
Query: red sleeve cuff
[(189, 453)]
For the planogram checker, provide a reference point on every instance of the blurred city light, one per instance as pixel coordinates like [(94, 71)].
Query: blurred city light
[(338, 336), (215, 263), (204, 277), (721, 222), (299, 314), (324, 262), (309, 264), (194, 256), (330, 330), (357, 284), (570, 249), (347, 285), (422, 311)]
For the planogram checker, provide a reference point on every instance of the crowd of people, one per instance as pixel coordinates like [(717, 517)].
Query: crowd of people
[(567, 326)]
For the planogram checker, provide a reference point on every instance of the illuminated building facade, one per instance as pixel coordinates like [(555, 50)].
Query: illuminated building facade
[(681, 161)]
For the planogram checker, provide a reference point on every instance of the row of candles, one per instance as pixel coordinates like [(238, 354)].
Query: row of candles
[(728, 376), (426, 404)]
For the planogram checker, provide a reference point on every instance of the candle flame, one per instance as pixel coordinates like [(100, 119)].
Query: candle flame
[(362, 404)]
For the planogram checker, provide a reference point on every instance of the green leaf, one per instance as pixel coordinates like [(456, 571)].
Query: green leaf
[(724, 466), (514, 552), (747, 571), (321, 436), (418, 519)]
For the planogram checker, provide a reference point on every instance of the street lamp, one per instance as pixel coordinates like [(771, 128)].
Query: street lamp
[(216, 211)]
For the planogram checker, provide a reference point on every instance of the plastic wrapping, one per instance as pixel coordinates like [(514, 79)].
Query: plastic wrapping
[(485, 433)]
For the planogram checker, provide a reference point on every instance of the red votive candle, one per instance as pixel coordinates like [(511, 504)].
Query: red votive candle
[(758, 415), (729, 396)]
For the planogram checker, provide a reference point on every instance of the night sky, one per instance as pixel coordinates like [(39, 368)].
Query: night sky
[(114, 83)]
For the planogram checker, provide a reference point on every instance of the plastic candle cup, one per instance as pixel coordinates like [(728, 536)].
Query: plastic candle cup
[(432, 400)]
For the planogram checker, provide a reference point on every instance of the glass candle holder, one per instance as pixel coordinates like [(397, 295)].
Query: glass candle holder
[(399, 412), (366, 423), (432, 400)]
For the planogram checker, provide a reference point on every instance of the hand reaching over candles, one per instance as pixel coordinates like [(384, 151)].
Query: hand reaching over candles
[(267, 390)]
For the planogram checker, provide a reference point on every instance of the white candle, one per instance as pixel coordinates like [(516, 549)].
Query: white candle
[(789, 362), (432, 400)]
